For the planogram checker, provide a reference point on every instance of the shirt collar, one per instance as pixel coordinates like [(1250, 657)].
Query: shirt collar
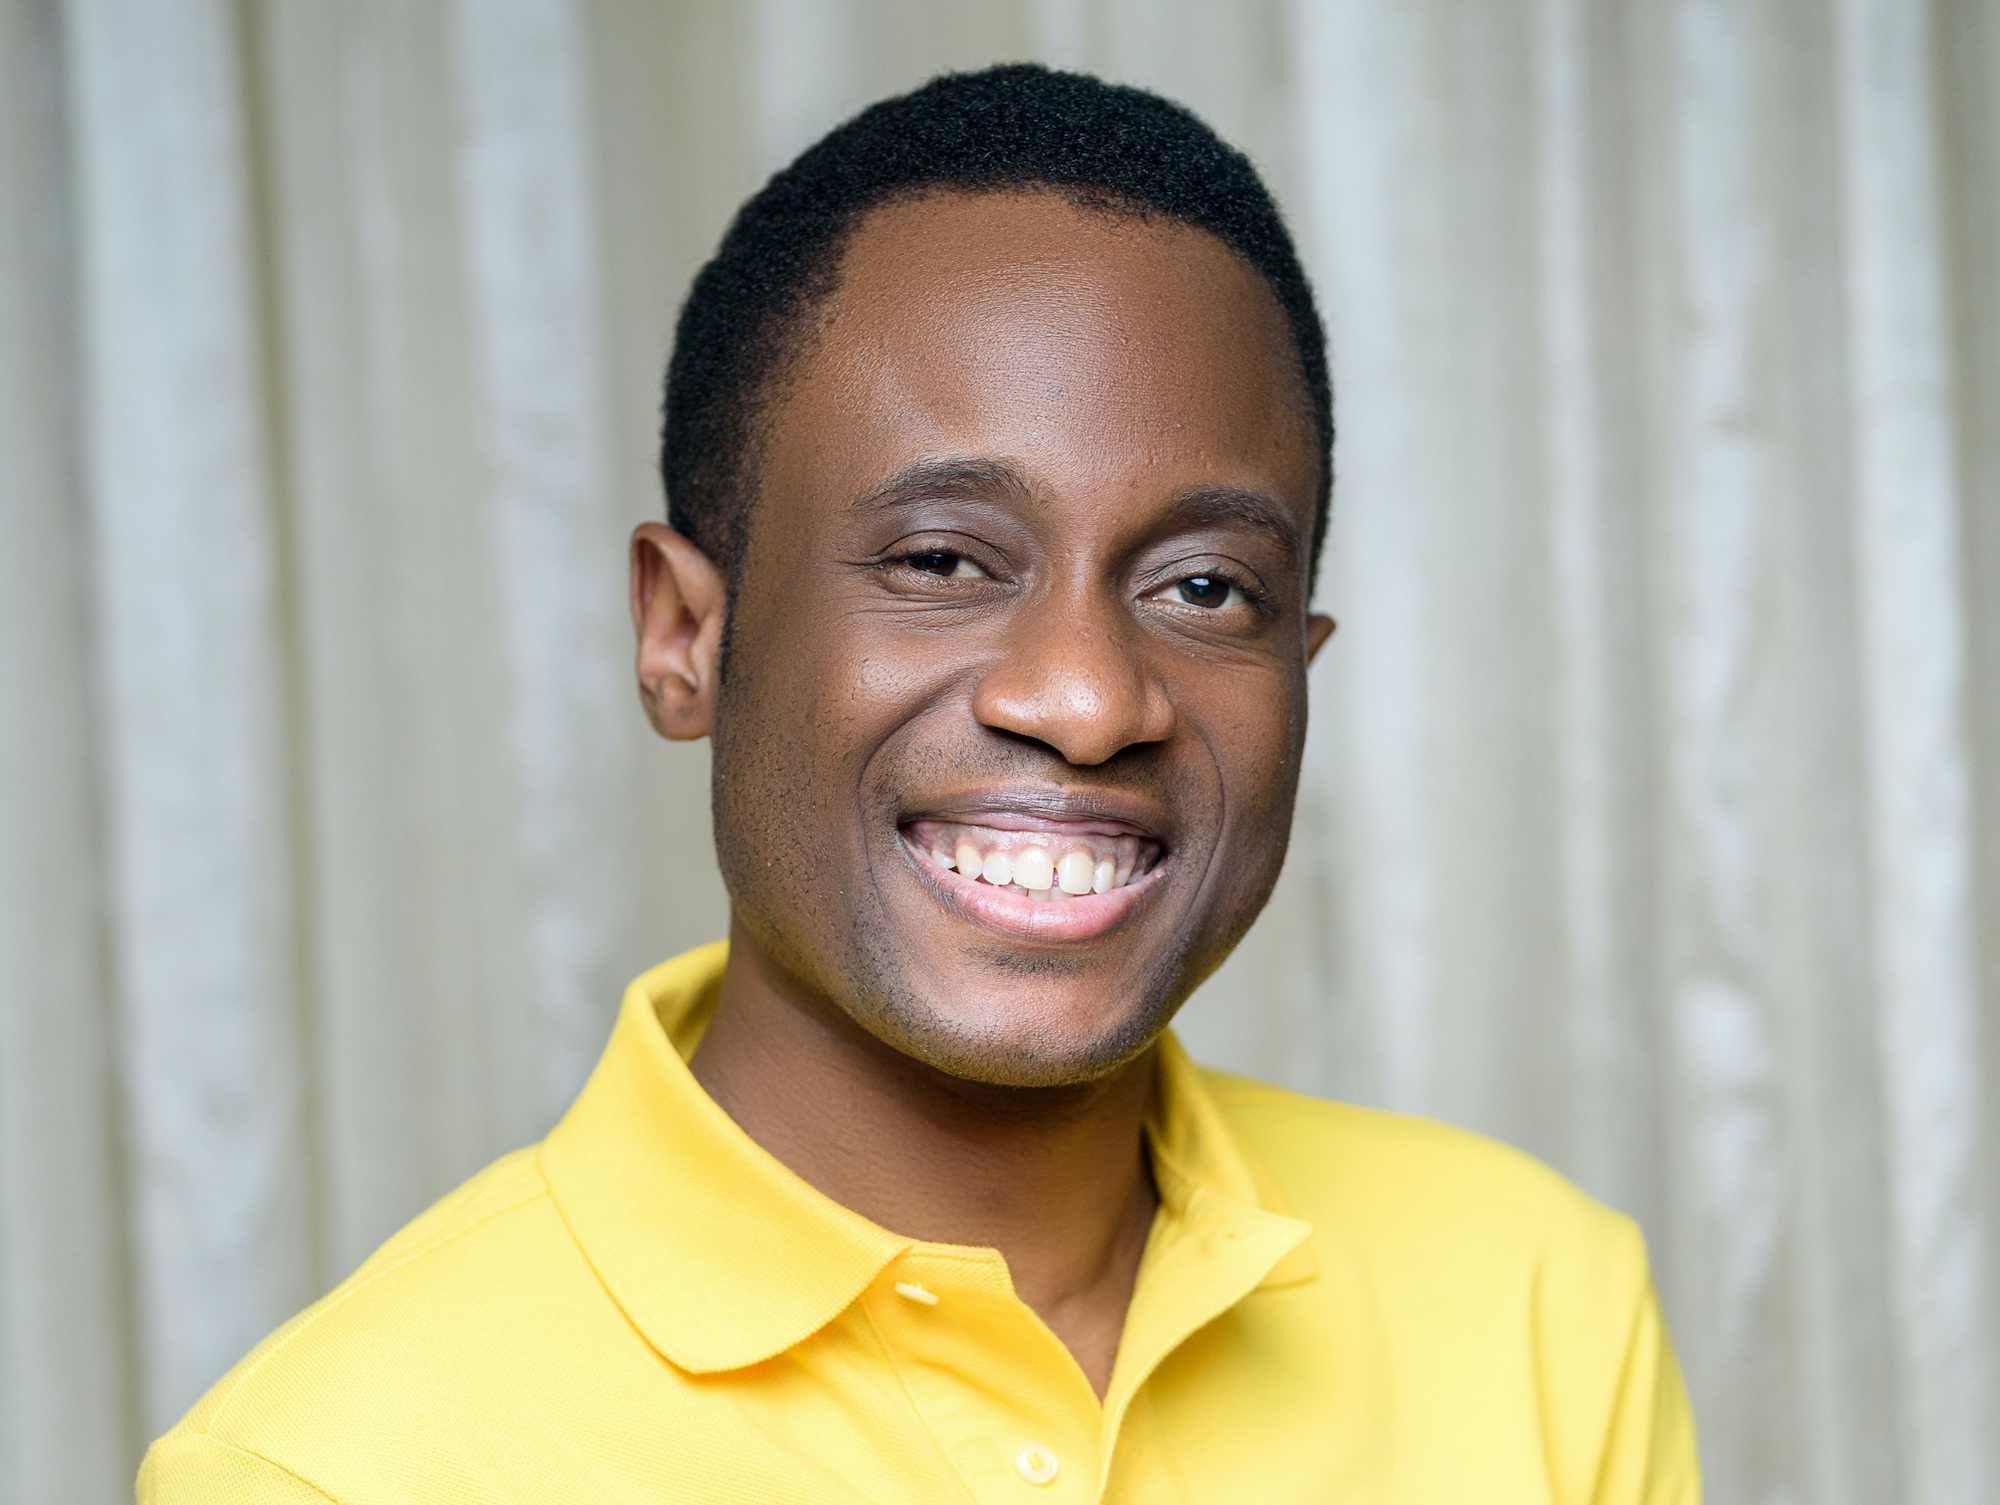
[(723, 1257)]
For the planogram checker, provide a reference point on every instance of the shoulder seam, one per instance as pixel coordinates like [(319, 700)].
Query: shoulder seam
[(1229, 1083), (340, 1295), (298, 1478), (469, 1215), (1239, 1087), (1248, 1093)]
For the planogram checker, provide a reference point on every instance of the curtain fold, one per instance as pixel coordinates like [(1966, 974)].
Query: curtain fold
[(1651, 814), (67, 1347)]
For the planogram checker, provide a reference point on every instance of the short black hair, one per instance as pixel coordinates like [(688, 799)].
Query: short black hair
[(1017, 127)]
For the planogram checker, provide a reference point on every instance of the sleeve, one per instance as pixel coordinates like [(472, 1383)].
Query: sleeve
[(1649, 1453), (194, 1468)]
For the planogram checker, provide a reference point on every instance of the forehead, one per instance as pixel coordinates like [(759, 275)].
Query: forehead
[(1089, 347)]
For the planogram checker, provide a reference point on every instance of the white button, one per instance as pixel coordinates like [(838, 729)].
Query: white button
[(1036, 1463), (915, 1293)]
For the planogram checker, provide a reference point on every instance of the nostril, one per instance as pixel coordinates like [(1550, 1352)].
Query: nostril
[(1087, 713)]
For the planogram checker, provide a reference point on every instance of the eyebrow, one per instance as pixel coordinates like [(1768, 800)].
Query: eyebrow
[(1210, 505), (948, 480)]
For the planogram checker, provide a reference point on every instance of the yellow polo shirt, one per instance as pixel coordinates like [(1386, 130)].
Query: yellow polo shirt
[(1334, 1304)]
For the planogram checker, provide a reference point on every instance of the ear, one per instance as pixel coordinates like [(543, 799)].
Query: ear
[(1318, 630), (678, 606)]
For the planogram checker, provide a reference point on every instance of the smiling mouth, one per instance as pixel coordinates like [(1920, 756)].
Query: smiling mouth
[(1036, 879), (1048, 863)]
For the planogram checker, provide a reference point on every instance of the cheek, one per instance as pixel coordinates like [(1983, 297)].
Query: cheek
[(1258, 736), (888, 679), (817, 694), (773, 742)]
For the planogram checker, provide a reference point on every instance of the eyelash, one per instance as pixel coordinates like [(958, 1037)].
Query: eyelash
[(908, 560), (1255, 598), (1252, 596)]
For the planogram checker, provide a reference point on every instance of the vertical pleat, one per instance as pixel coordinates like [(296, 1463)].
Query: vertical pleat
[(1913, 656), (189, 640), (66, 1339), (554, 533)]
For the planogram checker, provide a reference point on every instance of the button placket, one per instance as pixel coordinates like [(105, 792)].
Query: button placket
[(988, 1381)]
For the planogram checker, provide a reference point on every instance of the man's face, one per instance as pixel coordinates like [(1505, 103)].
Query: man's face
[(1024, 598)]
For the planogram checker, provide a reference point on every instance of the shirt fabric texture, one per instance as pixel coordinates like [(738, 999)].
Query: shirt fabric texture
[(1334, 1304)]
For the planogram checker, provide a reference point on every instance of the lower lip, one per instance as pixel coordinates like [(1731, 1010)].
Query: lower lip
[(1016, 916)]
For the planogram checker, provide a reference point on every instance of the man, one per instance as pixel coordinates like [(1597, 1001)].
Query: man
[(998, 460)]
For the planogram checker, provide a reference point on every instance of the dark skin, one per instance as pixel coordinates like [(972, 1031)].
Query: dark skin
[(1030, 548)]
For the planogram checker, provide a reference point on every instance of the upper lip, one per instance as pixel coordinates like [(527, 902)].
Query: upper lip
[(1057, 811)]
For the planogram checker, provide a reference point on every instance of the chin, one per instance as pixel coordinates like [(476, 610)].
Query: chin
[(1022, 1032)]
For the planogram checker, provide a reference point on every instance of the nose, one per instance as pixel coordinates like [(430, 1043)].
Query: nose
[(1072, 680)]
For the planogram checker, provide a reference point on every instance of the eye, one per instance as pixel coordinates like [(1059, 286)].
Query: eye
[(944, 565), (1211, 591)]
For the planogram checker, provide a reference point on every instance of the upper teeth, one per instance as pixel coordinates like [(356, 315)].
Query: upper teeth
[(1026, 861)]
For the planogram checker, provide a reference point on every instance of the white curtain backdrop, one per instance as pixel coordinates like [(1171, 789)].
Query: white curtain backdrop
[(1652, 816)]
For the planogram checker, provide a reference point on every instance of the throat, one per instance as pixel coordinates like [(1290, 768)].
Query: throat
[(1057, 1179), (1086, 1307)]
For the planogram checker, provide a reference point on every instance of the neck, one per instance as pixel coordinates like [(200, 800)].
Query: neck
[(1054, 1178)]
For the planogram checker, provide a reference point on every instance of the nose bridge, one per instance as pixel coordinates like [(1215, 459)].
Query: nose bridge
[(1074, 676)]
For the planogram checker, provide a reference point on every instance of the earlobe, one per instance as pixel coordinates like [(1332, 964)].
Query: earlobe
[(1318, 630), (678, 605)]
